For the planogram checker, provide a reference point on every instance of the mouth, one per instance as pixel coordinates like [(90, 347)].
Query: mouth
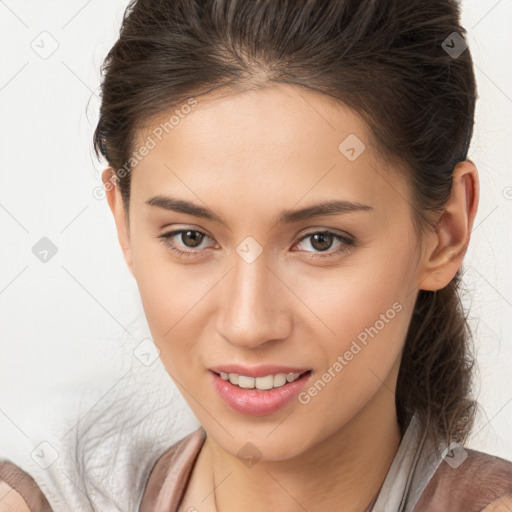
[(255, 396)]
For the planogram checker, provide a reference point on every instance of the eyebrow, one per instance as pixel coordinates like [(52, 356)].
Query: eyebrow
[(333, 207)]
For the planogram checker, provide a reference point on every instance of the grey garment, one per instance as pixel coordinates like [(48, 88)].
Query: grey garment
[(413, 466)]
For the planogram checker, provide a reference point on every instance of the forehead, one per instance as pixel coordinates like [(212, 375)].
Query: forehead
[(275, 143), (274, 119)]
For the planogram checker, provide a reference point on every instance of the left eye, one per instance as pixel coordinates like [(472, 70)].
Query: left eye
[(320, 241)]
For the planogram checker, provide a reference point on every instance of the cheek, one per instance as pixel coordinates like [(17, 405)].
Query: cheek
[(359, 362), (173, 296), (354, 296), (364, 308)]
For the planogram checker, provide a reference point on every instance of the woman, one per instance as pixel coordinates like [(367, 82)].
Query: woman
[(292, 194)]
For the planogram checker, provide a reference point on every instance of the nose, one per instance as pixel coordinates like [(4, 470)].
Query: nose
[(253, 304)]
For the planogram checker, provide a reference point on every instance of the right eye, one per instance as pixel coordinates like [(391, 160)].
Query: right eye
[(190, 238)]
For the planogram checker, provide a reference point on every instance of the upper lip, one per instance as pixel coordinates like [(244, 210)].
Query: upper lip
[(257, 371)]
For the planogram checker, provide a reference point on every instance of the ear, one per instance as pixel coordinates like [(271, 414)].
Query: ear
[(447, 245), (115, 202)]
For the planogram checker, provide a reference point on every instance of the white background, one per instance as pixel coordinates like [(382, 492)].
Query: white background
[(69, 326)]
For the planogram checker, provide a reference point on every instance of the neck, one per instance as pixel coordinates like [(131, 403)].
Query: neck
[(345, 471)]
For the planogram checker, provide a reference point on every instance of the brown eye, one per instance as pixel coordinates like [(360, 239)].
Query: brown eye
[(185, 242), (191, 238), (321, 241)]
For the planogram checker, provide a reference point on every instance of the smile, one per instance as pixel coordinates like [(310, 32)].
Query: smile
[(263, 383)]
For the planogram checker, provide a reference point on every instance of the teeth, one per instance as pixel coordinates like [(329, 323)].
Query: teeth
[(262, 383), (246, 382), (280, 379)]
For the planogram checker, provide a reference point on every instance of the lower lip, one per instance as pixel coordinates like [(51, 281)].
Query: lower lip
[(255, 402)]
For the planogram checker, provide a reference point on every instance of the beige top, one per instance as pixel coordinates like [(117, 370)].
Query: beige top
[(418, 480)]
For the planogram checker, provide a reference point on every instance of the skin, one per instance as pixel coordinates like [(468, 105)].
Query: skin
[(11, 500), (247, 156)]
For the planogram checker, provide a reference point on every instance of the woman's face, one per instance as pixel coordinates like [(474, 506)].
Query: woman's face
[(264, 286)]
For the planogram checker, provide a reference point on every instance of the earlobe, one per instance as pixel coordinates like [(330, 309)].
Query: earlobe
[(115, 202), (447, 246)]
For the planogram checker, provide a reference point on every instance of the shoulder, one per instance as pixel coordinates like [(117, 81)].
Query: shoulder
[(500, 505), (11, 500), (478, 482), (19, 492)]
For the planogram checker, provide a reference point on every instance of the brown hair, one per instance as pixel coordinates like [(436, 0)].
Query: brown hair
[(387, 61)]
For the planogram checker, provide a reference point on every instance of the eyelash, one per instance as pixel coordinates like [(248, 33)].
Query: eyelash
[(347, 243)]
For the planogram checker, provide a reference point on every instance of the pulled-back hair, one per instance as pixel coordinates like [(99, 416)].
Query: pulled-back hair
[(388, 61)]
